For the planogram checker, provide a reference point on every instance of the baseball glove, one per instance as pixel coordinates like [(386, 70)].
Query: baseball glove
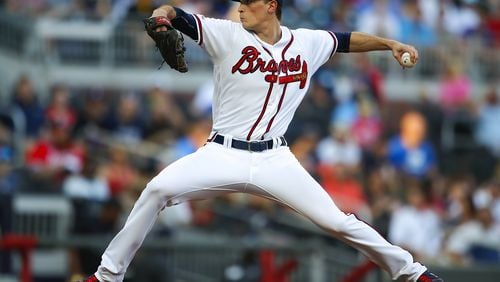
[(169, 42)]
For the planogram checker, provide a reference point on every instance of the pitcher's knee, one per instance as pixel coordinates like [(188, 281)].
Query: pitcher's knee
[(156, 189), (333, 223)]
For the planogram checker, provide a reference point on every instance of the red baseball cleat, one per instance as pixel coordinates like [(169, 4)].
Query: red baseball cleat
[(91, 279), (428, 276)]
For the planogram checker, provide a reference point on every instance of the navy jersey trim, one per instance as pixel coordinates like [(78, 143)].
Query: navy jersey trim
[(265, 49), (200, 30), (287, 46), (335, 43)]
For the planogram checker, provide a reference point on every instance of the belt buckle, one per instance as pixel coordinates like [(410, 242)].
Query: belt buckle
[(249, 145)]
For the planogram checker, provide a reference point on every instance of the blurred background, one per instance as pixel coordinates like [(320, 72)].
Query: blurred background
[(87, 118)]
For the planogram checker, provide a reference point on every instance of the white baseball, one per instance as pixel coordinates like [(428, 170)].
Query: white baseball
[(406, 59)]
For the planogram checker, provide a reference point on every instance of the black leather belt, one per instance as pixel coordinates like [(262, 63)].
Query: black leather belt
[(253, 146)]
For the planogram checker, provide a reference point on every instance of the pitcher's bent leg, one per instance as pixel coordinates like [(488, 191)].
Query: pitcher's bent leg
[(125, 244), (208, 172), (397, 261), (301, 192)]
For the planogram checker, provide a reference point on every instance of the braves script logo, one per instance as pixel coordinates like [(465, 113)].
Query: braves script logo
[(251, 62)]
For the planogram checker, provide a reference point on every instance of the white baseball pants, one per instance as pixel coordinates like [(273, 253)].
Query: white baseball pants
[(216, 169)]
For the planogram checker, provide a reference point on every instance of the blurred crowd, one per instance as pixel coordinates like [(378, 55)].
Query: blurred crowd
[(425, 174), (418, 22)]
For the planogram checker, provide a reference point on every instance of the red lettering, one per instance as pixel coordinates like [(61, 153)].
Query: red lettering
[(272, 66), (251, 62), (283, 68), (261, 65), (300, 77), (294, 64), (250, 54)]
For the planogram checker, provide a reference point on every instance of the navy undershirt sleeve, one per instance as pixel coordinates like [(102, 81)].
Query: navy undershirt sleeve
[(185, 23), (344, 38)]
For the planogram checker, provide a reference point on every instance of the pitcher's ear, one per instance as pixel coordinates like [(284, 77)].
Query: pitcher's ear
[(272, 8)]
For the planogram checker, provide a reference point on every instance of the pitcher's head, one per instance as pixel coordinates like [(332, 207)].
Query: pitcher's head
[(255, 12)]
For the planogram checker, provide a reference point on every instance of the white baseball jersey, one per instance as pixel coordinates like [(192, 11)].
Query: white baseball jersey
[(258, 86)]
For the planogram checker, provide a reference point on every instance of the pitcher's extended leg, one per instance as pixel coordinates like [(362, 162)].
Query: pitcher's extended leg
[(282, 176), (210, 171)]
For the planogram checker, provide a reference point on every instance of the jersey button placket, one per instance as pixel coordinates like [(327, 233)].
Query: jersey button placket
[(275, 96)]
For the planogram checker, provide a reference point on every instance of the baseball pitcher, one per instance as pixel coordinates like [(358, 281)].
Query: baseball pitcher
[(262, 70)]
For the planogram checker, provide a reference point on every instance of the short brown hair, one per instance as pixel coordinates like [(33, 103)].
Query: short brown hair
[(278, 11)]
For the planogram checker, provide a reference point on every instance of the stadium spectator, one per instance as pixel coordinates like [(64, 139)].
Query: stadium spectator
[(368, 79), (476, 240), (165, 119), (91, 115), (488, 129), (340, 182), (26, 100), (367, 128), (414, 30), (87, 185), (118, 170), (339, 149), (53, 157), (346, 109), (489, 196), (382, 196), (59, 109), (460, 18), (410, 152), (379, 19), (415, 225), (430, 10), (126, 122), (459, 204), (490, 33), (455, 86), (490, 23)]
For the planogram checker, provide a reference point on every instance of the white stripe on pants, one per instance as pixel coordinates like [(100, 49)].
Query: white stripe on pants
[(214, 170)]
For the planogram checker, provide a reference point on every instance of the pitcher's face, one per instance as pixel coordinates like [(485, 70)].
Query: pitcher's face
[(254, 12)]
